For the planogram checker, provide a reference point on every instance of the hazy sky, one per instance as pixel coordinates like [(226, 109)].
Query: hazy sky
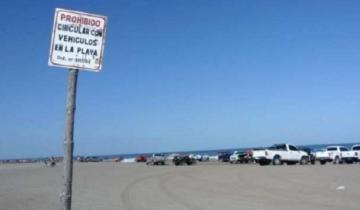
[(185, 75)]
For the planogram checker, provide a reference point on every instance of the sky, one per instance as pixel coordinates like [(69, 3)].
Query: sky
[(185, 75)]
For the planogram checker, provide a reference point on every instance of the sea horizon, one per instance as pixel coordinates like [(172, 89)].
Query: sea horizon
[(211, 152)]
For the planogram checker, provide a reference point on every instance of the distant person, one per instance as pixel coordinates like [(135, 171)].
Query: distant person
[(51, 161)]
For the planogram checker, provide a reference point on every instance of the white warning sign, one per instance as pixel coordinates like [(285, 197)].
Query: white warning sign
[(77, 40)]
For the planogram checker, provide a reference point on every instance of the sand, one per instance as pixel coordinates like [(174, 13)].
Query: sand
[(107, 186)]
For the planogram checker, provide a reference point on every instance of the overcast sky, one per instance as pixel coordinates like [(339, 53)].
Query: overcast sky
[(185, 75)]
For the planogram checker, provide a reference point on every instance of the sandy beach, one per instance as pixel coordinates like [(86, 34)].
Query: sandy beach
[(203, 186)]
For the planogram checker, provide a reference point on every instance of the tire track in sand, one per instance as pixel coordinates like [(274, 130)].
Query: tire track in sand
[(126, 194), (163, 183), (162, 180)]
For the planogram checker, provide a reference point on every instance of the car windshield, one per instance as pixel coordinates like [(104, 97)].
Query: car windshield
[(331, 149), (278, 147), (159, 154), (293, 148), (356, 148), (308, 150)]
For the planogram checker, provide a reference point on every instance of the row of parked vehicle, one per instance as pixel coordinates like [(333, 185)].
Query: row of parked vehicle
[(277, 154), (339, 154), (177, 159), (290, 154)]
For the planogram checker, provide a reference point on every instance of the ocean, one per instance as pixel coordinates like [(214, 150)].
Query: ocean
[(313, 147)]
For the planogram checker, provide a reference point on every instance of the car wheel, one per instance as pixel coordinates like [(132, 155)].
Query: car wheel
[(322, 162), (264, 163), (303, 161), (277, 161)]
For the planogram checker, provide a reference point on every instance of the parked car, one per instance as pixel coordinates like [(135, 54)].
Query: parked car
[(117, 159), (140, 158), (310, 153), (241, 156), (90, 159), (196, 157), (323, 156), (205, 158), (235, 157), (171, 156), (356, 149), (279, 154), (156, 159), (183, 159), (224, 156), (335, 154), (51, 161)]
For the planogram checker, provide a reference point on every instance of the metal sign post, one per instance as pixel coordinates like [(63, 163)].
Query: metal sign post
[(65, 196), (77, 42)]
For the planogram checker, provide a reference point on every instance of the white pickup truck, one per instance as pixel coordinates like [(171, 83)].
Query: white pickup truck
[(156, 159), (336, 154), (280, 153), (356, 149), (235, 157)]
